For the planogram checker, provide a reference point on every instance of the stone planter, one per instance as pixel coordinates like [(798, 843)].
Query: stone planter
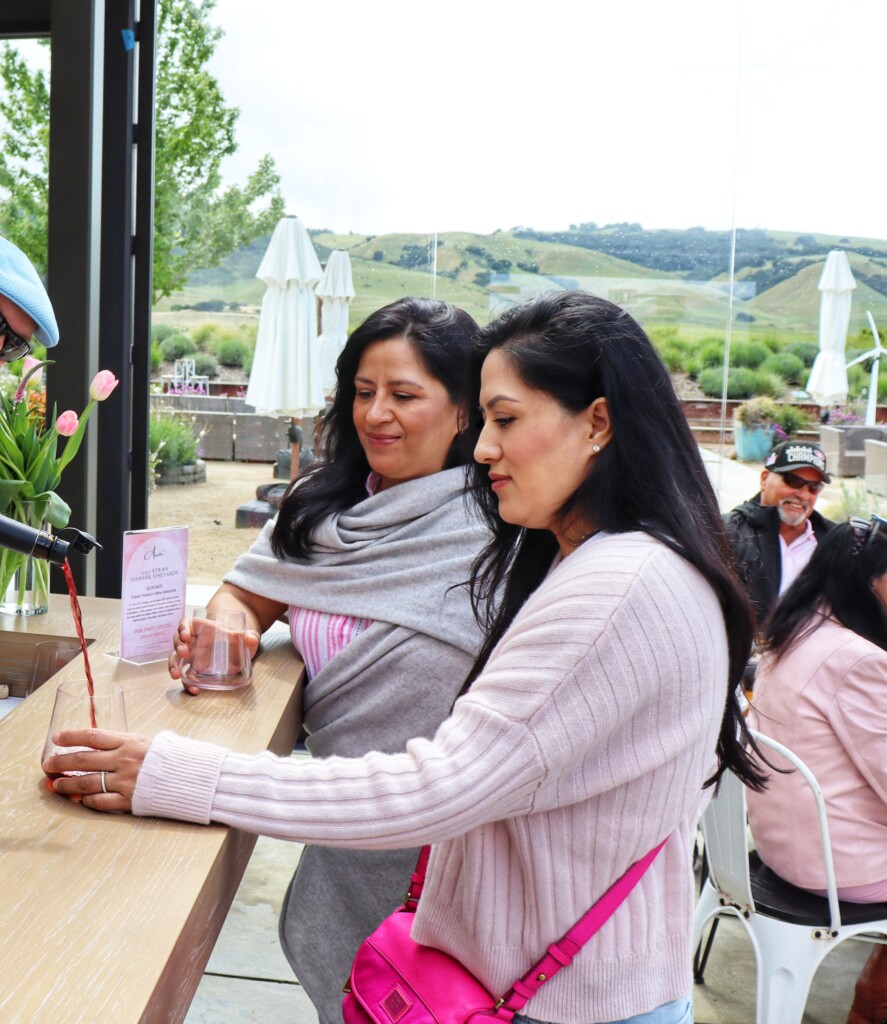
[(752, 443), (170, 475)]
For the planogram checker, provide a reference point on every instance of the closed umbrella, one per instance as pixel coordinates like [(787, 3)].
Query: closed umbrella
[(828, 377), (335, 291), (285, 376)]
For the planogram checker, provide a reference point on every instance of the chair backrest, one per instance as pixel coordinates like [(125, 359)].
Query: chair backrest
[(821, 815), (183, 370), (725, 828)]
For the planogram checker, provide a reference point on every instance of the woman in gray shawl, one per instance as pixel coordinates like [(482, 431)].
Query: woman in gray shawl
[(366, 556)]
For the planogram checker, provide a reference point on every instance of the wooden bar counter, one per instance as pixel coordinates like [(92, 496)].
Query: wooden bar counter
[(105, 917)]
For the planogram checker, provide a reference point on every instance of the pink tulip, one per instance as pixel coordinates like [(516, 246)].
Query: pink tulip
[(32, 371), (29, 363), (103, 383), (67, 423)]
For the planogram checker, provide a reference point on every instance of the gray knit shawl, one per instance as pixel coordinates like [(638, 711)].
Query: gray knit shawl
[(398, 558), (377, 559)]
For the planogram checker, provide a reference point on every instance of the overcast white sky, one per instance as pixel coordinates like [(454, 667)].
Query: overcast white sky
[(403, 115)]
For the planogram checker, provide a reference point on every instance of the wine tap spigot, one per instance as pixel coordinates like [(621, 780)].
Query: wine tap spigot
[(80, 540)]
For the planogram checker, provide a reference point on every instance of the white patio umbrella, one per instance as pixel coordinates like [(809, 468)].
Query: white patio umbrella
[(335, 291), (828, 377), (285, 377)]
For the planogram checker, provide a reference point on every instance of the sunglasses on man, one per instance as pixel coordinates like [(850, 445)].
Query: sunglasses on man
[(798, 483), (14, 345)]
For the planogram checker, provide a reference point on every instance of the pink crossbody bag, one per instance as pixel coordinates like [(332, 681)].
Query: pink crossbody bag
[(394, 980)]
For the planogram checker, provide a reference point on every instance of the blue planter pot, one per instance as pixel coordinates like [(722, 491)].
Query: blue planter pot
[(752, 445)]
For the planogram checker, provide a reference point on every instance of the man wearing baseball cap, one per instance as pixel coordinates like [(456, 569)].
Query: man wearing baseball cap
[(775, 533), (25, 309)]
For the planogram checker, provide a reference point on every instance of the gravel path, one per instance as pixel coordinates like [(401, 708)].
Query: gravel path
[(209, 511)]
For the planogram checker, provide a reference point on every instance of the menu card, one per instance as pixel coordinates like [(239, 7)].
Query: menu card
[(155, 569)]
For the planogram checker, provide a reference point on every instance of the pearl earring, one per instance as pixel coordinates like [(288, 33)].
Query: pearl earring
[(596, 449)]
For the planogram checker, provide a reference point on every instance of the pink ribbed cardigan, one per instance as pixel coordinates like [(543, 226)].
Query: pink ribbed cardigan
[(585, 741)]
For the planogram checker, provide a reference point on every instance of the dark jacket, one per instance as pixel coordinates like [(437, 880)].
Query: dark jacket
[(753, 530)]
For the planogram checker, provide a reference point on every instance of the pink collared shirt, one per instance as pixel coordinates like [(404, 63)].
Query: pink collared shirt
[(795, 556)]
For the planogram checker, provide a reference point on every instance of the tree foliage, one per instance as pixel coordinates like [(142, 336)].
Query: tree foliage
[(24, 155), (196, 222), (700, 254)]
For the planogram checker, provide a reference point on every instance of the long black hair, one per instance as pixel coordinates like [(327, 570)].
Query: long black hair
[(836, 581), (576, 348), (440, 335)]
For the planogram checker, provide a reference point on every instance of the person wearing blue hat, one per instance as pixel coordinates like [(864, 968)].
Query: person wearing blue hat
[(25, 309)]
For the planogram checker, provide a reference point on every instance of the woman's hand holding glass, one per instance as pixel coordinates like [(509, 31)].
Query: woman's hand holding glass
[(106, 764), (213, 650)]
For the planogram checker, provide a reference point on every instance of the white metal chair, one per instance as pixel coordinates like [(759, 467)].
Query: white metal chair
[(791, 930), (186, 380)]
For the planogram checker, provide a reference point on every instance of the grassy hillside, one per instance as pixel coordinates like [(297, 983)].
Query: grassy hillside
[(673, 277), (675, 283)]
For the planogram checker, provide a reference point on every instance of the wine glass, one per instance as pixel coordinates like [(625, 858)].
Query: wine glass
[(218, 659), (75, 708), (50, 656)]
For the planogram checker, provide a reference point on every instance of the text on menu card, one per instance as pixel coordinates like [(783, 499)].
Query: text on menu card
[(155, 570)]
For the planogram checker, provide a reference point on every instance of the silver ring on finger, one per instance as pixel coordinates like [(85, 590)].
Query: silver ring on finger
[(104, 787)]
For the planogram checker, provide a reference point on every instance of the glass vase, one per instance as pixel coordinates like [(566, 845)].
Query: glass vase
[(26, 579)]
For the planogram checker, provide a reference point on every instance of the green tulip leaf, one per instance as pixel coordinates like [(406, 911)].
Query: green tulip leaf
[(9, 490), (58, 512)]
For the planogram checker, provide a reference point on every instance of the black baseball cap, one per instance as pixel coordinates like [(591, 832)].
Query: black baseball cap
[(791, 455)]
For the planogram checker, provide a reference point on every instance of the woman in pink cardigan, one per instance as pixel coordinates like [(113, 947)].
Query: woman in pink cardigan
[(604, 692), (822, 692)]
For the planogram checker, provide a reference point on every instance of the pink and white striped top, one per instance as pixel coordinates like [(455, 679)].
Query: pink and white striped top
[(320, 636)]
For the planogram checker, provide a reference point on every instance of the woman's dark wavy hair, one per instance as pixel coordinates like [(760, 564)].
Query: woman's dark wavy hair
[(440, 335), (577, 347), (836, 581)]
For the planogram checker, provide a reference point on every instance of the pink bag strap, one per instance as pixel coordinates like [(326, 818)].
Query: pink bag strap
[(417, 879), (560, 954)]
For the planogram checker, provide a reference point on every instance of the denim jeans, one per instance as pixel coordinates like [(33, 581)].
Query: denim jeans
[(678, 1011)]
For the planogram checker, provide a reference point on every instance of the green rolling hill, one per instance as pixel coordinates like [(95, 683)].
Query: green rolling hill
[(663, 277)]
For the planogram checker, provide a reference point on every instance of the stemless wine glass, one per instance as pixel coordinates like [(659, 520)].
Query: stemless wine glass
[(219, 659), (74, 708), (50, 656)]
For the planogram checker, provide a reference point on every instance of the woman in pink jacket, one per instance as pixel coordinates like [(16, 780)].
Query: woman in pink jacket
[(822, 691)]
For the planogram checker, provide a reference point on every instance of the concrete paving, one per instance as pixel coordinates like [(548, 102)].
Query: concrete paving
[(248, 979)]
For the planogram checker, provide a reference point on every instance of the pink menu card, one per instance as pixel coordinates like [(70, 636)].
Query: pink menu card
[(155, 569)]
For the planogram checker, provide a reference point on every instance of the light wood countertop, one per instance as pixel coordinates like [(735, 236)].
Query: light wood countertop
[(111, 918)]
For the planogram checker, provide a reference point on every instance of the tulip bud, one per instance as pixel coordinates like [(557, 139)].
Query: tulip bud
[(33, 369), (67, 423), (103, 383)]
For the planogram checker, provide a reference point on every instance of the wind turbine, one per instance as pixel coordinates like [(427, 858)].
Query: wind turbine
[(875, 355)]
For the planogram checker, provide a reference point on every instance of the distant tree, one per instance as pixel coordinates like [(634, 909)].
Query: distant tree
[(24, 155), (196, 223), (413, 256)]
